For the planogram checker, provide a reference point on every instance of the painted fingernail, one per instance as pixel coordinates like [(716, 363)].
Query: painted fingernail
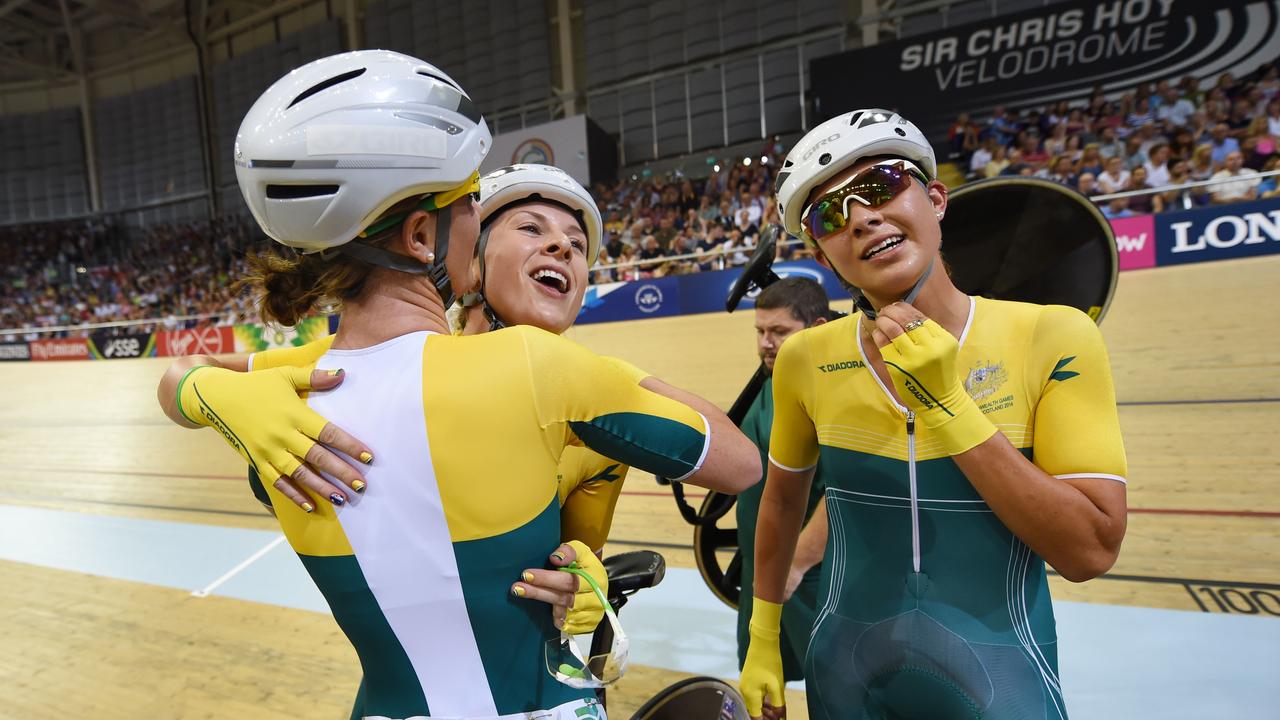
[(308, 507), (337, 499), (528, 576), (358, 485), (337, 373), (366, 457), (517, 591), (558, 555)]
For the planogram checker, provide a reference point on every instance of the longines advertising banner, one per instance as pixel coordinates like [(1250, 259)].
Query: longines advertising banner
[(1058, 52)]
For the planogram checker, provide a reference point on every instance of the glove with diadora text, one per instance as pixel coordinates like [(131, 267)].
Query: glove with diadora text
[(922, 364), (762, 678), (259, 414)]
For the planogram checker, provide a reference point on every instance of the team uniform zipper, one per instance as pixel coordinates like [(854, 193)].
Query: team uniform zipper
[(915, 494)]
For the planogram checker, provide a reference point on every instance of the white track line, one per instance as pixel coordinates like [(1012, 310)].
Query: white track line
[(232, 572)]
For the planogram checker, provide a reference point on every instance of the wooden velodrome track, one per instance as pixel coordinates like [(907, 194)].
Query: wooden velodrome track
[(1196, 358)]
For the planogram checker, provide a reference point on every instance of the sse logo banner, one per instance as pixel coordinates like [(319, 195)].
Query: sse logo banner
[(108, 347)]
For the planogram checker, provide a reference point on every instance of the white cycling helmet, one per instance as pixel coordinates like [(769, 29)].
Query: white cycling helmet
[(530, 182), (833, 146), (331, 146)]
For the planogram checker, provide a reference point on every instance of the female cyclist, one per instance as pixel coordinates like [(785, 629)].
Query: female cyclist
[(364, 161), (965, 443)]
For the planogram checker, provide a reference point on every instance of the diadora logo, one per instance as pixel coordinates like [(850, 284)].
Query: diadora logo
[(1060, 372), (925, 401), (842, 365), (609, 474), (648, 298)]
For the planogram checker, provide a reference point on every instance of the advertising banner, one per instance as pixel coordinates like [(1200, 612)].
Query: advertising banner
[(1218, 233), (706, 292), (196, 341), (14, 351), (1060, 51), (1135, 241), (60, 349), (256, 337), (104, 346), (611, 302), (562, 143), (687, 294)]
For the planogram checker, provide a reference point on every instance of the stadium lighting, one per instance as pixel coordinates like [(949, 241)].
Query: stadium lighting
[(746, 161), (764, 159), (82, 270), (716, 168)]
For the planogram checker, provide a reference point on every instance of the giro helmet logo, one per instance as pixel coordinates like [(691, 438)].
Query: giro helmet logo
[(828, 139)]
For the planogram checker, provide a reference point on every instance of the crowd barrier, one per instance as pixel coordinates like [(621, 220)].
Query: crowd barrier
[(208, 340), (1144, 241)]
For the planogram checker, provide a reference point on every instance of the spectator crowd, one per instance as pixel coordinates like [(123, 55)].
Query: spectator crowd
[(1156, 136), (92, 271), (1170, 133)]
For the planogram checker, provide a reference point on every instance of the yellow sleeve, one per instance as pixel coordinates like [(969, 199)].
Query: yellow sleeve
[(793, 440), (578, 393), (1077, 427), (301, 356), (634, 372), (590, 485)]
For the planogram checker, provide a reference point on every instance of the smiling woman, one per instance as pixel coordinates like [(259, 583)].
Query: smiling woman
[(969, 442), (416, 552), (549, 231)]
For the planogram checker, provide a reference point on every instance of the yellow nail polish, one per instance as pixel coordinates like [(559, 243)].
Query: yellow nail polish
[(528, 576), (334, 373), (357, 485), (517, 591), (366, 457), (308, 507), (558, 555)]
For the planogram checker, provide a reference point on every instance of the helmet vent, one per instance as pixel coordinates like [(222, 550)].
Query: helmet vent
[(442, 79), (824, 158), (298, 192), (901, 132), (782, 177), (321, 86)]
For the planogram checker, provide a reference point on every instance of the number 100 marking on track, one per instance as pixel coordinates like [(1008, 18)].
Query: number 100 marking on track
[(1235, 600)]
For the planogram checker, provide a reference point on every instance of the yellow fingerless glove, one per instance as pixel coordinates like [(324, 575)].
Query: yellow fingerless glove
[(587, 610), (259, 414), (762, 670), (922, 364)]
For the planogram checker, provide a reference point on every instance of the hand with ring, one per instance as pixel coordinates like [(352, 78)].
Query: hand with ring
[(921, 357)]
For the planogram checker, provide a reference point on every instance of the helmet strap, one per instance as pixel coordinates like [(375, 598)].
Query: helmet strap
[(861, 302), (478, 297), (435, 270)]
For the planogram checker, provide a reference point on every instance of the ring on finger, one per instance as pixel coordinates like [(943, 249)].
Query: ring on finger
[(913, 324)]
